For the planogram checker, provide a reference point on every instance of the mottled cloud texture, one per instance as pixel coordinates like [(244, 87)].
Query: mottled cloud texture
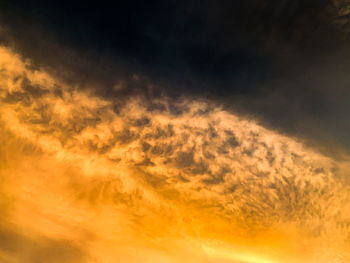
[(89, 179)]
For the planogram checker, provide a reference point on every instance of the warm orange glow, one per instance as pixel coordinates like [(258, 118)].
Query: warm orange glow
[(144, 185)]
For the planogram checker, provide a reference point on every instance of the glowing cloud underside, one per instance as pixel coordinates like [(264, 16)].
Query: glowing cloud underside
[(155, 181)]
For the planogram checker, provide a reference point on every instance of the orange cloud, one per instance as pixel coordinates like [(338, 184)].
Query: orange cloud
[(157, 181)]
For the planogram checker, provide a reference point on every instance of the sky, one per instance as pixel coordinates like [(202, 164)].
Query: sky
[(174, 131)]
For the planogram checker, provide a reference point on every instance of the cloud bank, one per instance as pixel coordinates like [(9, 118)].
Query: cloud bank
[(86, 178), (284, 62)]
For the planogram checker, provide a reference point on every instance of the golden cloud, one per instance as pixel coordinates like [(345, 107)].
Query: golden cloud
[(156, 181)]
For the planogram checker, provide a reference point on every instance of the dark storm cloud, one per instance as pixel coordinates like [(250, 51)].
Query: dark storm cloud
[(284, 62)]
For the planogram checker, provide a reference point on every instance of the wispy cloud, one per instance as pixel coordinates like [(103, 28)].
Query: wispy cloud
[(175, 181)]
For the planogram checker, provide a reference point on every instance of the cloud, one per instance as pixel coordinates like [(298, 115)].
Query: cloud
[(283, 62), (340, 14), (16, 247), (158, 176)]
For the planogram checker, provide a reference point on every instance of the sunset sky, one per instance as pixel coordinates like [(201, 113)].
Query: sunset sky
[(213, 131)]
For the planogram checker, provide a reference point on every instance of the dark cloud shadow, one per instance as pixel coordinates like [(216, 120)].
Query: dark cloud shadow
[(21, 248), (282, 62)]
